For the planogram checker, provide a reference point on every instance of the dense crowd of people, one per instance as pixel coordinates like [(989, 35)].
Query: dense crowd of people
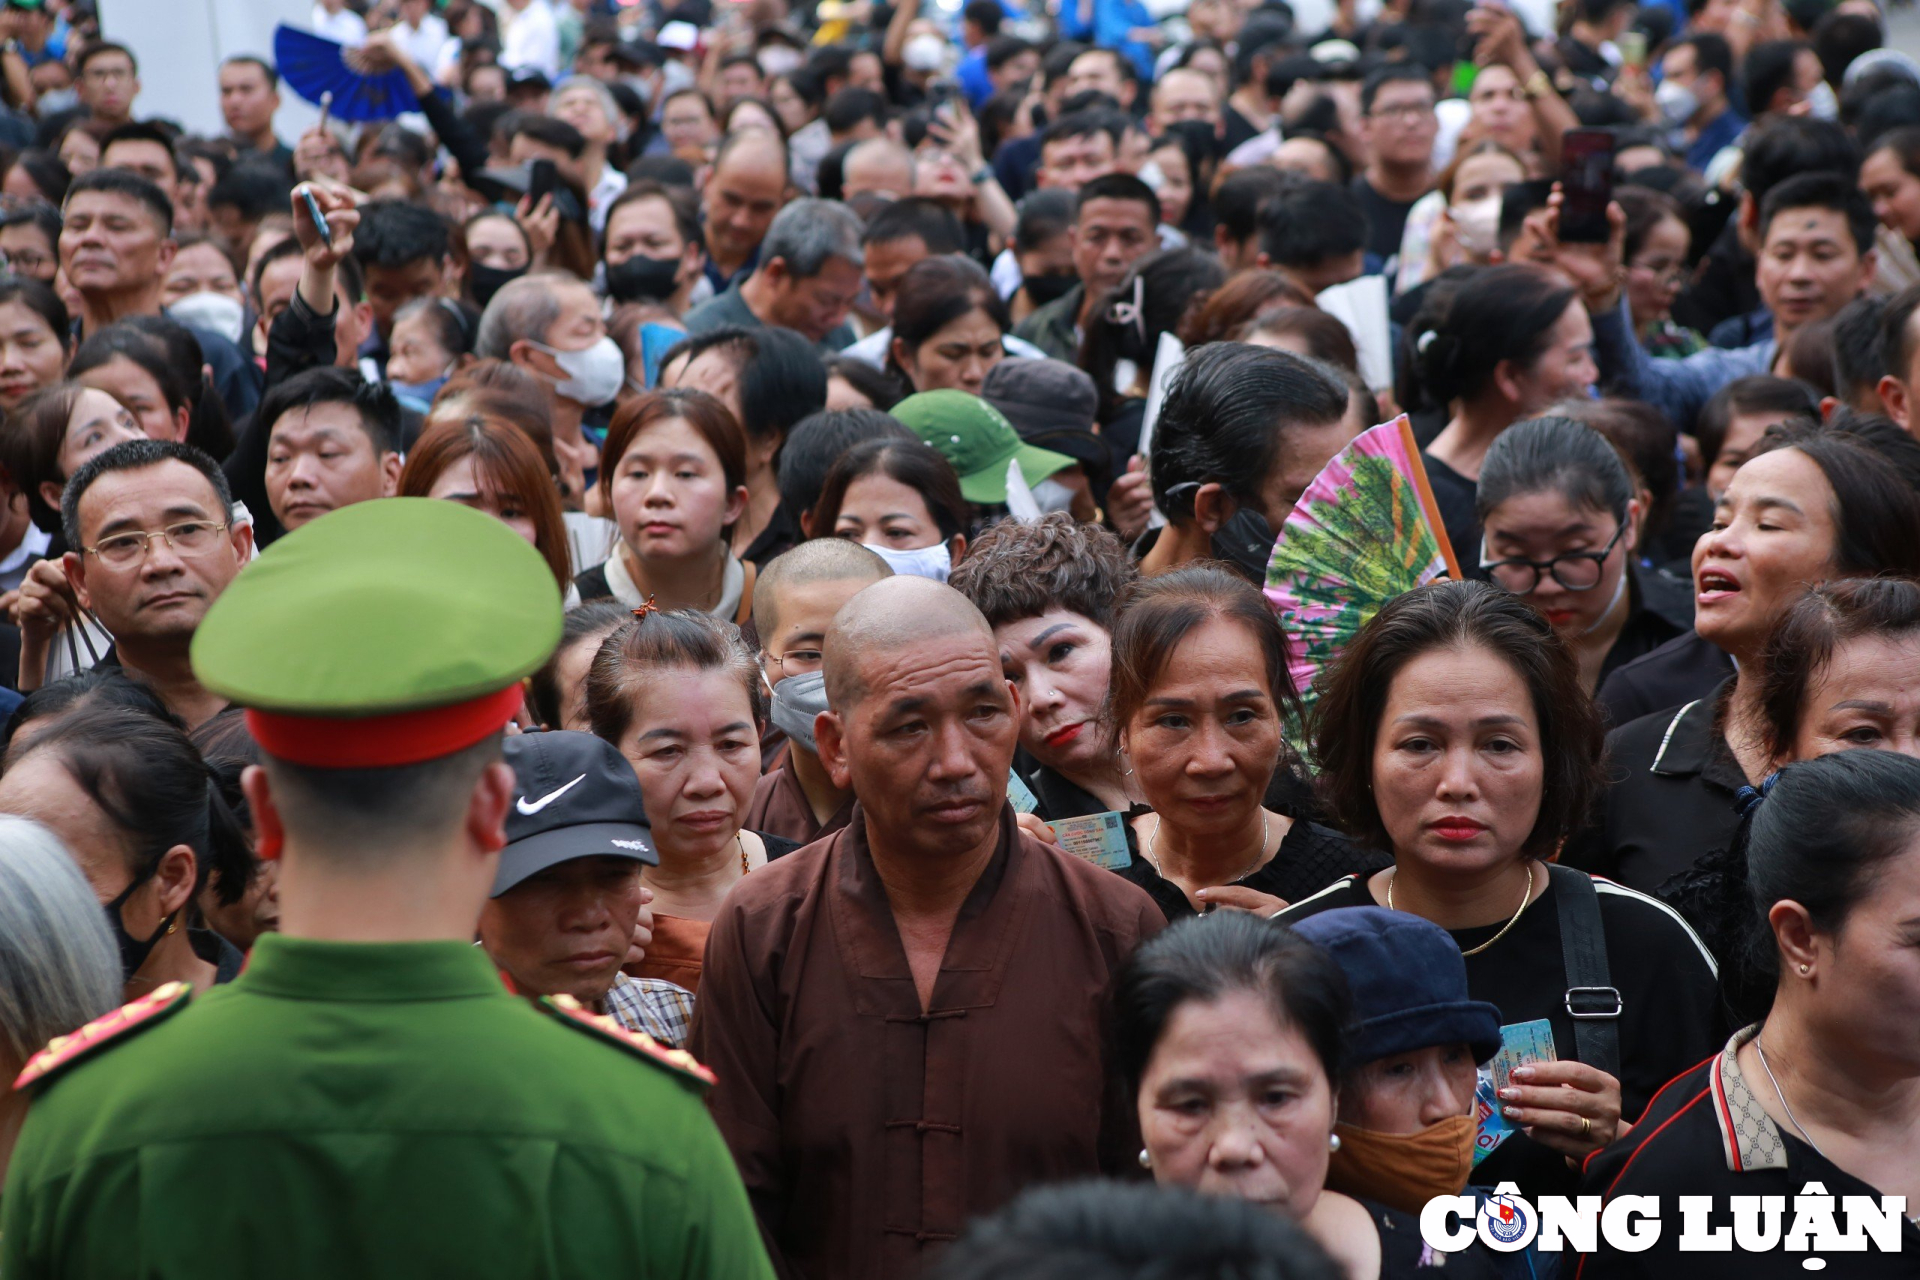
[(673, 657)]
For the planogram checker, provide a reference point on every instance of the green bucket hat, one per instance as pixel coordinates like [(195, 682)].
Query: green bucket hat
[(978, 440)]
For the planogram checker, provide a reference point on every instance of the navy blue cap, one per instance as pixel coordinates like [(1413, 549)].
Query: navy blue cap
[(575, 796), (1409, 983)]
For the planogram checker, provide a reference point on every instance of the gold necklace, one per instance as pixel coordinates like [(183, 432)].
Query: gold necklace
[(1525, 898), (1153, 838), (743, 852)]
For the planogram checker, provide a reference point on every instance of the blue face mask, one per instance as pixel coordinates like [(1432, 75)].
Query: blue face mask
[(420, 393)]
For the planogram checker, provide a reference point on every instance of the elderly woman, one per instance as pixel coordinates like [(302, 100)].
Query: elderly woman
[(1827, 1084), (1199, 692), (1453, 734), (1048, 589), (58, 969), (1229, 1037)]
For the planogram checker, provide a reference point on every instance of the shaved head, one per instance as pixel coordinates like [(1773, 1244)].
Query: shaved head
[(814, 561), (887, 618)]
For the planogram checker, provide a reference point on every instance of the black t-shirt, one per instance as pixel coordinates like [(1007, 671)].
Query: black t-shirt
[(1454, 494), (1670, 1010), (1310, 858), (1386, 220)]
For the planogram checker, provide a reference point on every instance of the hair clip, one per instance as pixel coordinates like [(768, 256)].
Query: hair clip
[(640, 614), (1747, 799)]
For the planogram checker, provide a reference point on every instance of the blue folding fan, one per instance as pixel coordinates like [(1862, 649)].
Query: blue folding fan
[(314, 66)]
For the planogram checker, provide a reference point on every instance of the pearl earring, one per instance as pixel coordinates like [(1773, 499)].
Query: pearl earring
[(1333, 1142), (1805, 969), (1146, 1161)]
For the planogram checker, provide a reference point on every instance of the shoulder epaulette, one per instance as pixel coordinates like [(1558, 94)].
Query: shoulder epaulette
[(112, 1028), (638, 1043)]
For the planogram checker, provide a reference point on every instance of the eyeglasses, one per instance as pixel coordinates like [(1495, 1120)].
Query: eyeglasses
[(1575, 571), (1405, 113), (104, 75), (1667, 273), (805, 661), (189, 538), (28, 261)]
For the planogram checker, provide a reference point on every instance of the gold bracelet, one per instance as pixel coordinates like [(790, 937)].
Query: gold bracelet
[(1538, 83)]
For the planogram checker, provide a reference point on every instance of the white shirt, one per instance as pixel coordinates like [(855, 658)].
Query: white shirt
[(33, 546), (530, 40), (346, 26), (424, 42), (605, 192)]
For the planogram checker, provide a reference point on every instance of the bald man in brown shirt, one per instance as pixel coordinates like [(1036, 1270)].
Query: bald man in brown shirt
[(904, 1017)]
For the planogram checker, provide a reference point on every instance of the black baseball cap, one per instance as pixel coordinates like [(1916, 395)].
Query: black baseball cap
[(574, 797)]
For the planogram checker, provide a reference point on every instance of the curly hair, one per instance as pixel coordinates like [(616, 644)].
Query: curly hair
[(1021, 570)]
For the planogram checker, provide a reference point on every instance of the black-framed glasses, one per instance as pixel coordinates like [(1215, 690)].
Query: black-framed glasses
[(1575, 571)]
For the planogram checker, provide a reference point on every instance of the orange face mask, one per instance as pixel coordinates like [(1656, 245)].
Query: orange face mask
[(1403, 1170)]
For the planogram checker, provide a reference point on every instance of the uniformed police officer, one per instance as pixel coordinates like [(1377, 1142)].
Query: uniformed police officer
[(366, 1099)]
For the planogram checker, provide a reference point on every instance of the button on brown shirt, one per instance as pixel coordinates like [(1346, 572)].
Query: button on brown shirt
[(869, 1130)]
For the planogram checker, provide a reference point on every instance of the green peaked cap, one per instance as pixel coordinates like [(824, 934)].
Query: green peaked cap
[(393, 605)]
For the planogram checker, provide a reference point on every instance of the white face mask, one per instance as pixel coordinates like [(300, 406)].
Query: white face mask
[(1676, 102), (1476, 225), (1821, 102), (934, 562), (778, 60), (1051, 495), (925, 53), (215, 311), (594, 376)]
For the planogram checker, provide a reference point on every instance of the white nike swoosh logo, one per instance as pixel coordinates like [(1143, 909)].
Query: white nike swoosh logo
[(529, 808)]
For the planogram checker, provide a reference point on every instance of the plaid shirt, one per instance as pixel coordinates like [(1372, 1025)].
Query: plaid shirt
[(660, 1009)]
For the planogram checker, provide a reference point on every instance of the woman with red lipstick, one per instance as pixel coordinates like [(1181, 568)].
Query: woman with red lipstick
[(1200, 686), (1454, 733), (1048, 590), (1560, 525), (1812, 505), (673, 473), (679, 694)]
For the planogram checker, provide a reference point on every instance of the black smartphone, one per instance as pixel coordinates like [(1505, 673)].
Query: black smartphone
[(542, 179), (1586, 185)]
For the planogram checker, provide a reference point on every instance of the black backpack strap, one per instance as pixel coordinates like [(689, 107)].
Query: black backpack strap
[(1592, 1000)]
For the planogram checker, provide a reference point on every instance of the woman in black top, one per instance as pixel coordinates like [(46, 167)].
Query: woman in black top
[(1200, 686), (1512, 341), (1048, 589), (1814, 504), (1826, 1088), (1454, 733), (1561, 526), (1229, 1036), (1840, 672)]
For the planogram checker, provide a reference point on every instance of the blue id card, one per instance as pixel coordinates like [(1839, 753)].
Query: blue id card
[(1020, 795), (1099, 838), (1520, 1043)]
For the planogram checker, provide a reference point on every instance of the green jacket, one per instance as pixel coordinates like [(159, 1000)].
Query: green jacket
[(359, 1110), (1055, 328)]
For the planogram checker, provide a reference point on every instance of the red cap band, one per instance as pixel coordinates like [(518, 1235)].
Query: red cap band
[(382, 742)]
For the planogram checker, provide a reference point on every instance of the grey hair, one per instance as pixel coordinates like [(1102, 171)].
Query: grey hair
[(809, 232), (59, 968), (523, 308), (615, 117)]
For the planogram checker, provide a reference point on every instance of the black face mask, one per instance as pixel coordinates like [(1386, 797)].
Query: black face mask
[(133, 951), (642, 277), (487, 281), (1246, 542), (1044, 289)]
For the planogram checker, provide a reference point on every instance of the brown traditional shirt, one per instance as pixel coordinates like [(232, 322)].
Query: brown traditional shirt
[(780, 807), (869, 1130)]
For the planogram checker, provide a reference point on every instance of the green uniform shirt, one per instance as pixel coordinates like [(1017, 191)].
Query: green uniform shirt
[(351, 1111)]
